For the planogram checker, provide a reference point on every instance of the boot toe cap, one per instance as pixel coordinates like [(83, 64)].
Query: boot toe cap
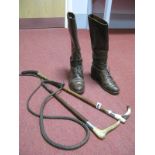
[(110, 86), (77, 85), (114, 90)]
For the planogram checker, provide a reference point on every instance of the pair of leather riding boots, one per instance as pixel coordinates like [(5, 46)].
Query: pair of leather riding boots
[(100, 45)]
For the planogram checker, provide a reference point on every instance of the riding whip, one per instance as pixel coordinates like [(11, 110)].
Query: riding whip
[(100, 133), (123, 118)]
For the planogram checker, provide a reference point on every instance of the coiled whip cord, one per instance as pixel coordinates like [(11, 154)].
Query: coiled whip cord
[(42, 116)]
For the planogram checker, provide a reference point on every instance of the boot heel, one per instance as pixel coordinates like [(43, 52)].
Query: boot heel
[(93, 74)]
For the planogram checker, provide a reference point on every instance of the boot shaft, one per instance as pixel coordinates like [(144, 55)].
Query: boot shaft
[(99, 40), (98, 33), (72, 27)]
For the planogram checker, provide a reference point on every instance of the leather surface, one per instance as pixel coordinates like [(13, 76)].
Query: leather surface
[(100, 46), (76, 79)]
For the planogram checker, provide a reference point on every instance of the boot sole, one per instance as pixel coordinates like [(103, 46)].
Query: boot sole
[(112, 93)]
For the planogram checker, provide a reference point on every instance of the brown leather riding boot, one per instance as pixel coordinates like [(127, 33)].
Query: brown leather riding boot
[(76, 80), (100, 46)]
